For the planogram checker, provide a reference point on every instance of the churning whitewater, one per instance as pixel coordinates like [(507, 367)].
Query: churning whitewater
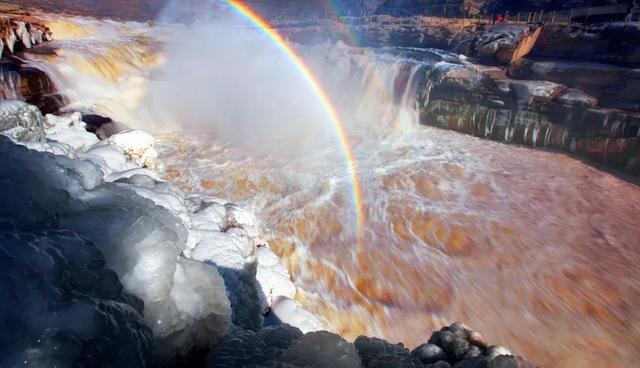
[(454, 227)]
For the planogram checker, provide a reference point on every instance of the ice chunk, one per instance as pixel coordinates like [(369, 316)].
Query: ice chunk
[(273, 278), (234, 253), (126, 174), (169, 197), (138, 145), (209, 216), (244, 219), (185, 304), (289, 311), (201, 298), (70, 130), (57, 148), (112, 156)]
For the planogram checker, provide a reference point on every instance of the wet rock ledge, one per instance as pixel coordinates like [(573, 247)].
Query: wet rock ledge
[(20, 32), (588, 109)]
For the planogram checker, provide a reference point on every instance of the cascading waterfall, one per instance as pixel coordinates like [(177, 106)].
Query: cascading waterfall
[(497, 236)]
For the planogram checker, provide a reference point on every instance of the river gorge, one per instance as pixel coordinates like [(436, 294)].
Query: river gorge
[(536, 248)]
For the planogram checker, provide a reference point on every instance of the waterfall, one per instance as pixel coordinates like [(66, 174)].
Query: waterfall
[(454, 226)]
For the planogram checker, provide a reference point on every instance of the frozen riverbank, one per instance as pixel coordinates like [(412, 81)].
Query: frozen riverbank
[(106, 262)]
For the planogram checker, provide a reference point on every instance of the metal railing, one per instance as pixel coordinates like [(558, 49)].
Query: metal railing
[(560, 17), (577, 15)]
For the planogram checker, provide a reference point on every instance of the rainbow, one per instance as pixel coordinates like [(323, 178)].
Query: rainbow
[(334, 8), (248, 13)]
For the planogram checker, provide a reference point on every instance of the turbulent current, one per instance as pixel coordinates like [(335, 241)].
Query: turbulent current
[(536, 249)]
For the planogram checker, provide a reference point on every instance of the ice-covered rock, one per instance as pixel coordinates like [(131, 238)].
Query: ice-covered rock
[(167, 196), (238, 217), (129, 173), (289, 311), (57, 148), (234, 253), (21, 121), (506, 43), (109, 158), (185, 302), (200, 296), (273, 278), (138, 145), (70, 130), (61, 307), (210, 216)]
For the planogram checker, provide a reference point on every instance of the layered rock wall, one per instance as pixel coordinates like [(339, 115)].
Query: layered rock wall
[(20, 32), (485, 102)]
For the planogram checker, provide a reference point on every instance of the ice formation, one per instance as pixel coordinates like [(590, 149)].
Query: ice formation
[(289, 311), (73, 310), (185, 265), (138, 145), (273, 278), (139, 224)]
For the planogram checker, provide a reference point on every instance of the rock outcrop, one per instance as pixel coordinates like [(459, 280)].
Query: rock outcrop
[(20, 32), (497, 43), (485, 102), (283, 346), (613, 42), (613, 86), (149, 9)]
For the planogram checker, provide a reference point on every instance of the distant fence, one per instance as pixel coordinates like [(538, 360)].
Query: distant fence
[(578, 15), (562, 17)]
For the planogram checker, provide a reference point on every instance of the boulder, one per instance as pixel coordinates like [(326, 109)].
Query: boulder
[(611, 85), (429, 353), (505, 43), (138, 145), (21, 121), (611, 42)]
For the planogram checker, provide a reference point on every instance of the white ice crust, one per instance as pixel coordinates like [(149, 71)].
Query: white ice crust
[(197, 264)]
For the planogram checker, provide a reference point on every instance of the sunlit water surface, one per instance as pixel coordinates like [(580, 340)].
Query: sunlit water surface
[(537, 250)]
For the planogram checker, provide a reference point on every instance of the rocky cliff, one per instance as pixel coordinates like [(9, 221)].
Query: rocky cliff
[(20, 32), (486, 102), (149, 9)]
